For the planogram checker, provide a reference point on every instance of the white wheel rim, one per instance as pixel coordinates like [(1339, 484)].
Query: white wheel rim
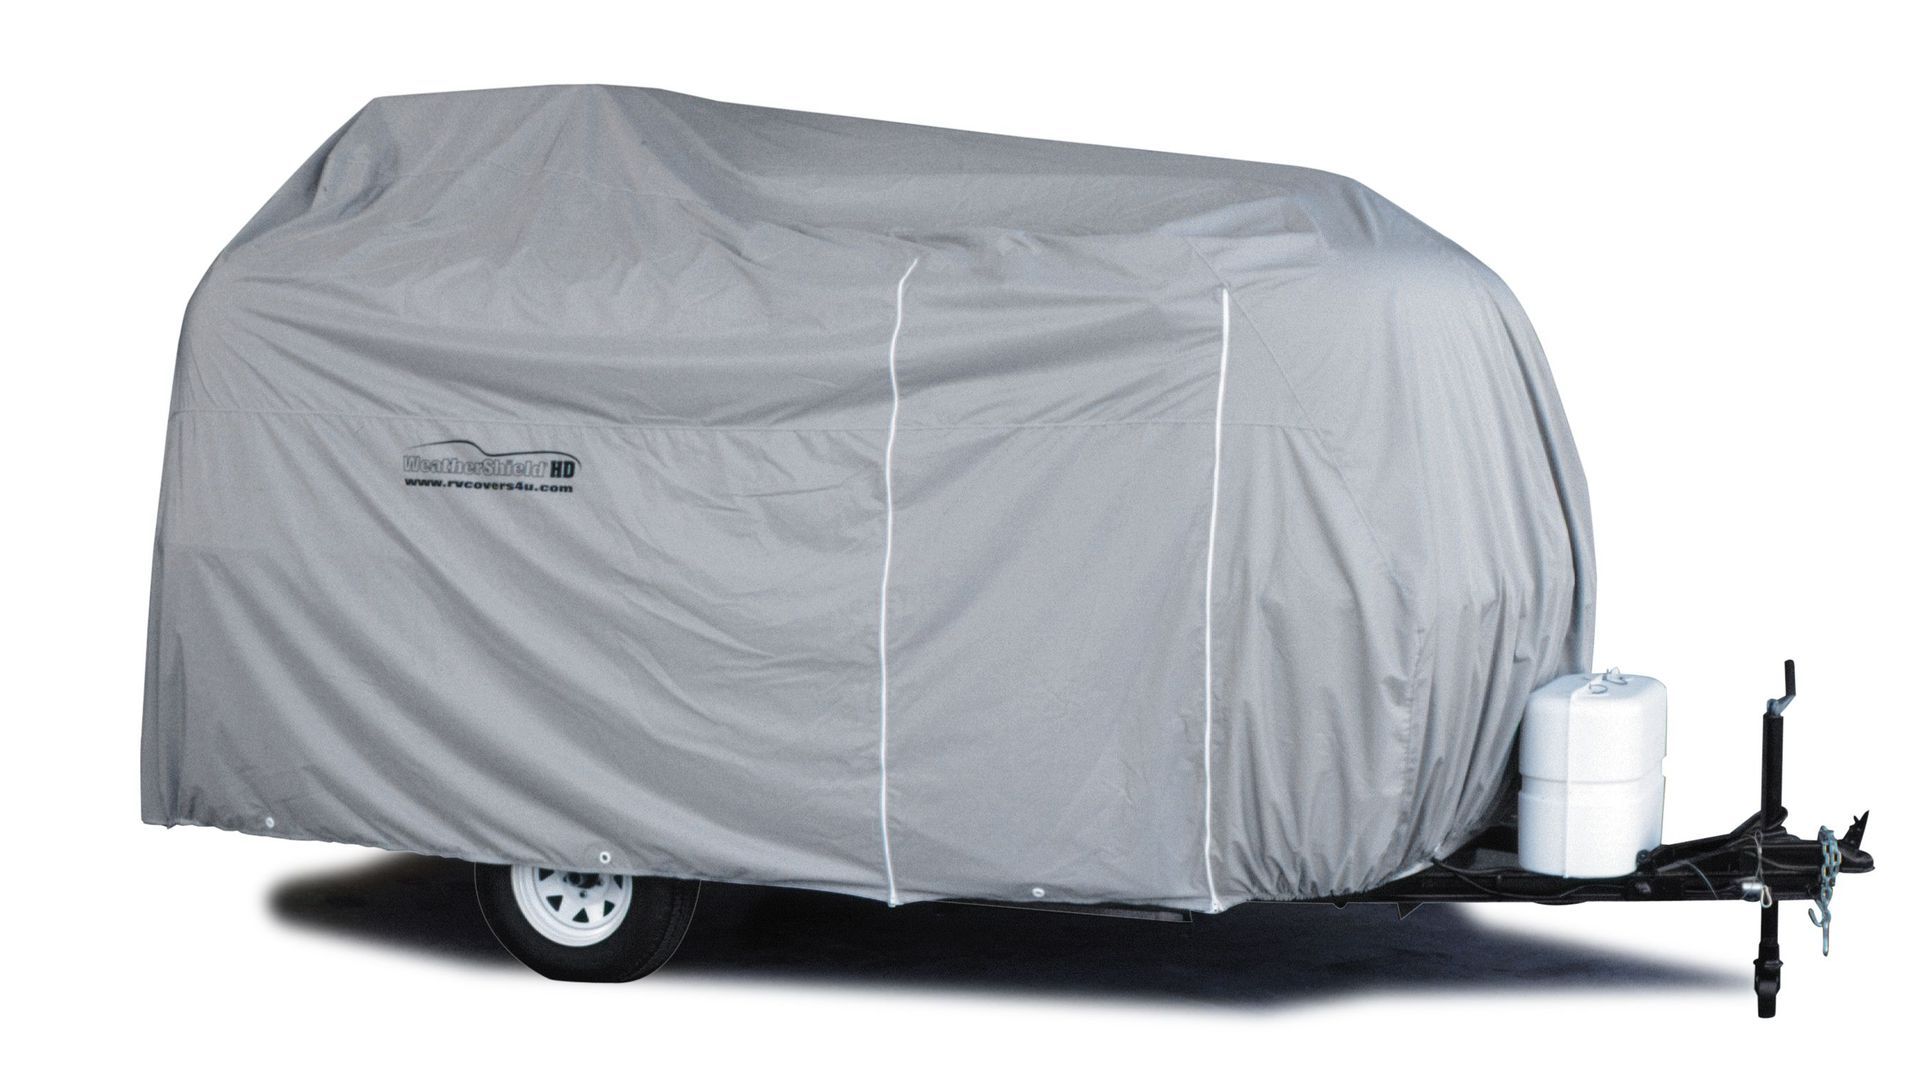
[(573, 908)]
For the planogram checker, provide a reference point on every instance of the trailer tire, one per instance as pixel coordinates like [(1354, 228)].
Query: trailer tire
[(585, 926)]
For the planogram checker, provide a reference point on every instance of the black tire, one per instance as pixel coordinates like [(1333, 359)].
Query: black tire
[(656, 920)]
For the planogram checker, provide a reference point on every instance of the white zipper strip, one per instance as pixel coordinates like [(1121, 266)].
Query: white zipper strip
[(886, 564), (1213, 530)]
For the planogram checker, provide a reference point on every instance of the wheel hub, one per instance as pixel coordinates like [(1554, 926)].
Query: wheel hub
[(575, 908)]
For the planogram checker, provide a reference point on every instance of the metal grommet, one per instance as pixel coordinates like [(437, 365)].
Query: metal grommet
[(1038, 892), (269, 822), (606, 858)]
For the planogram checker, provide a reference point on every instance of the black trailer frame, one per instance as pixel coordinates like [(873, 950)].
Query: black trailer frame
[(1758, 861)]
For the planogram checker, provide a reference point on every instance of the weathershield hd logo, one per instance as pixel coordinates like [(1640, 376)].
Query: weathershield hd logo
[(462, 464)]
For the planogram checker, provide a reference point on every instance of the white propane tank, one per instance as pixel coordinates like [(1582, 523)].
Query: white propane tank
[(1591, 787)]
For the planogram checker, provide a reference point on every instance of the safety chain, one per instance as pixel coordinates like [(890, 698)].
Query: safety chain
[(1829, 873)]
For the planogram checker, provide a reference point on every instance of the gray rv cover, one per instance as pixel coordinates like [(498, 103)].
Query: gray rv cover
[(567, 473)]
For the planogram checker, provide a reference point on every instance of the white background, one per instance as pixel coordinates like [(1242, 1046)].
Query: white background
[(1707, 209)]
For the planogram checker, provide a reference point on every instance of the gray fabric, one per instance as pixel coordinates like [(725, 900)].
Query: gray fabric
[(678, 663)]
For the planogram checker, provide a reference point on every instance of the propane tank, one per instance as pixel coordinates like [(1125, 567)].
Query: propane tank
[(1591, 786)]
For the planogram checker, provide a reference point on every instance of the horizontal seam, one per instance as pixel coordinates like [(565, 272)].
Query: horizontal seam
[(381, 171), (661, 428)]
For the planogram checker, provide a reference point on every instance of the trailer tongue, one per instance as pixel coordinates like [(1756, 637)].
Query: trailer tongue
[(1758, 861)]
